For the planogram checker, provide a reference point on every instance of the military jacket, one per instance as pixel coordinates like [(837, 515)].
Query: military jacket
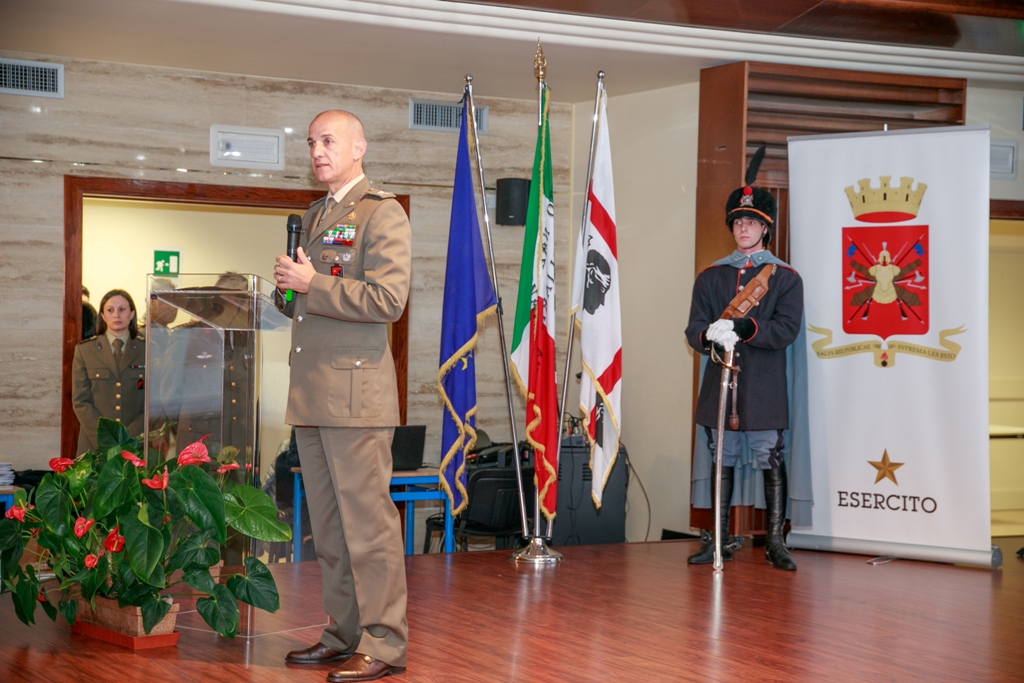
[(762, 399), (101, 388), (342, 371)]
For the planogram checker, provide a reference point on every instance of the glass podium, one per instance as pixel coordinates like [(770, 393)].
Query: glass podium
[(217, 367)]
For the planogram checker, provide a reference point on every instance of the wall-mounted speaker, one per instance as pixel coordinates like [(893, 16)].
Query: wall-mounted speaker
[(513, 197)]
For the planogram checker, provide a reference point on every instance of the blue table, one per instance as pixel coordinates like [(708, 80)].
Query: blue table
[(415, 488)]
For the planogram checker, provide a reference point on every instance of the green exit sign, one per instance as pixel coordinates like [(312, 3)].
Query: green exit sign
[(166, 263)]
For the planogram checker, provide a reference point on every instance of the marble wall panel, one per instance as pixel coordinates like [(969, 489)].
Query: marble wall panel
[(115, 113)]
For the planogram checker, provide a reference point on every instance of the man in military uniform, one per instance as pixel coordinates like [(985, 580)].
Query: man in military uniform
[(350, 281), (108, 371), (760, 340)]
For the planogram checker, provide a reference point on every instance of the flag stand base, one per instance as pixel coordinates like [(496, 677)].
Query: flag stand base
[(537, 552)]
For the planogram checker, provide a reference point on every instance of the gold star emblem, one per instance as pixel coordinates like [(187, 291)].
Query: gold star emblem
[(465, 363), (886, 468)]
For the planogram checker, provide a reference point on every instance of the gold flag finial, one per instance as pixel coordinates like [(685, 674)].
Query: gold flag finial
[(539, 63)]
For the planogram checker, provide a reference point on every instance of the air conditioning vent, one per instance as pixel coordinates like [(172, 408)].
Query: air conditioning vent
[(38, 79), (433, 115)]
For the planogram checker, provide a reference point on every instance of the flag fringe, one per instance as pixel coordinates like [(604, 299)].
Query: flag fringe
[(538, 456), (586, 431), (462, 443)]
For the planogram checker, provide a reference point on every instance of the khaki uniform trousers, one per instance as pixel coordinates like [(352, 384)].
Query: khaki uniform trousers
[(346, 472)]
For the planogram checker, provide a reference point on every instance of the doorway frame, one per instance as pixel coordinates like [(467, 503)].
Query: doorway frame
[(77, 188)]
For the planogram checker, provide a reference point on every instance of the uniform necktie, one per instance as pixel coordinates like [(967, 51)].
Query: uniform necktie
[(330, 207), (118, 345)]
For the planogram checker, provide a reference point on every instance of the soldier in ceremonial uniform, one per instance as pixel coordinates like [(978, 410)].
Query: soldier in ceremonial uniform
[(760, 339), (109, 370), (352, 279)]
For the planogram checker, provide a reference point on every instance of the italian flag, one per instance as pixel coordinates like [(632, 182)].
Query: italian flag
[(533, 343)]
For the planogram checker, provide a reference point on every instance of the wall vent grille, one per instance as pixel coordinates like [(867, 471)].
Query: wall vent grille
[(39, 79), (433, 115)]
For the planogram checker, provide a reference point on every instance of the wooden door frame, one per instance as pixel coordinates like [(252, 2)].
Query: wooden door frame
[(77, 188)]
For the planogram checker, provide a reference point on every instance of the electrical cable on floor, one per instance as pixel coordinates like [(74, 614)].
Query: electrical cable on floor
[(629, 464)]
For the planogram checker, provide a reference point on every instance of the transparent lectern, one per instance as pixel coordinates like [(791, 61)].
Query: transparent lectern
[(217, 365)]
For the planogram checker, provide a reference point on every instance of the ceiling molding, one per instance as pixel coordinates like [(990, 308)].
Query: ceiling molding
[(716, 46)]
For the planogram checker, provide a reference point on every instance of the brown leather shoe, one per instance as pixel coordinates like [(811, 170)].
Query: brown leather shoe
[(318, 654), (363, 668)]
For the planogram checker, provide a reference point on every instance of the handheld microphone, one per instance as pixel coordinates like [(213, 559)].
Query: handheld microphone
[(294, 233)]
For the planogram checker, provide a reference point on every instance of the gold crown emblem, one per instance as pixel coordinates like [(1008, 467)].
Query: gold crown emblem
[(887, 203)]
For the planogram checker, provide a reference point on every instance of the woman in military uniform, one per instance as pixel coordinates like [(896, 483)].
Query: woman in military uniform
[(109, 370)]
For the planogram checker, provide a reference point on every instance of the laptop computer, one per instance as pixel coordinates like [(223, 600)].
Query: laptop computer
[(407, 448)]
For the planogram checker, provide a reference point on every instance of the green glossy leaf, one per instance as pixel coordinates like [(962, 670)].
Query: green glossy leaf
[(78, 475), (143, 545), (220, 611), (9, 562), (200, 580), (202, 499), (94, 579), (252, 512), (153, 610), (10, 534), (191, 553), (26, 595), (50, 610), (69, 610), (112, 434), (257, 587), (53, 506), (111, 487)]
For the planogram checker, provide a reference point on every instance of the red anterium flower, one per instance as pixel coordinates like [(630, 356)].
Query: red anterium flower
[(114, 541), (194, 453), (42, 597), (91, 560), (227, 467), (58, 465), (133, 459), (17, 512), (159, 481), (82, 526), (248, 466)]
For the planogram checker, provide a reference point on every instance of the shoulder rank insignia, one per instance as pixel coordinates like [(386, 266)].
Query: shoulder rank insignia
[(380, 194)]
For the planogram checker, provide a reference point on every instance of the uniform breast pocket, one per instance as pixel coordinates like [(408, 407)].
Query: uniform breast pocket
[(354, 389), (99, 376)]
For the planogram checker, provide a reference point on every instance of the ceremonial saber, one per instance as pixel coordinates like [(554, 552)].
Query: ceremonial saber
[(572, 318), (501, 324), (723, 395)]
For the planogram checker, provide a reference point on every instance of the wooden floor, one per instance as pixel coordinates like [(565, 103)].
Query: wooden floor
[(632, 612)]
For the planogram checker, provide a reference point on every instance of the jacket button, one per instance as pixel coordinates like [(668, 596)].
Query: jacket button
[(299, 319), (234, 400), (116, 384), (117, 395), (233, 384), (97, 375), (298, 349), (358, 363), (117, 407), (117, 419), (234, 418), (204, 366)]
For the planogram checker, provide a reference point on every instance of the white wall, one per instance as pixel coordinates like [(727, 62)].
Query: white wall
[(1003, 110), (654, 157)]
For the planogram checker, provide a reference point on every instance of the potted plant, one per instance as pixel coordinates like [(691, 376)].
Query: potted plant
[(110, 526)]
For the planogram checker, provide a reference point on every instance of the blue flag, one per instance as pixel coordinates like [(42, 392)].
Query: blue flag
[(468, 300)]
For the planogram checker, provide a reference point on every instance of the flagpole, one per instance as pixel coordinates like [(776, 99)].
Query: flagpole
[(501, 324), (572, 318), (537, 551)]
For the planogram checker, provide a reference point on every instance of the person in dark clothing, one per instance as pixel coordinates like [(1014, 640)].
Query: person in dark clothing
[(759, 340)]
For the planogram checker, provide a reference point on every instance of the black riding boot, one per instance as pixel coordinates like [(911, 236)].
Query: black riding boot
[(775, 552), (706, 554)]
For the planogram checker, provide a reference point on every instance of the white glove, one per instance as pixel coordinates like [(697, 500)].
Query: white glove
[(721, 332)]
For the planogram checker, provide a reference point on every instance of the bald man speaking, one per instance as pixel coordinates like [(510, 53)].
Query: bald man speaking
[(350, 281)]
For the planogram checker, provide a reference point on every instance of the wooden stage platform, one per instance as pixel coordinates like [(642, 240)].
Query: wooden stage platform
[(632, 612)]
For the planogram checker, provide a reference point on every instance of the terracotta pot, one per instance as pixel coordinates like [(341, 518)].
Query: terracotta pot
[(125, 620)]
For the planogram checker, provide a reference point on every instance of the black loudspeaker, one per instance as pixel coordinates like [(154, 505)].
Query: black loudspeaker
[(577, 521), (513, 196)]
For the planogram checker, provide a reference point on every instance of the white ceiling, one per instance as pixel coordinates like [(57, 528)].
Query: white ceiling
[(431, 44)]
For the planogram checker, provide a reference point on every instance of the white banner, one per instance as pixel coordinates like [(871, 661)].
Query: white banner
[(890, 234)]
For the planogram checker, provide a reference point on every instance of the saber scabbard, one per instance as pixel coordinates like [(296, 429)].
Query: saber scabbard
[(727, 371)]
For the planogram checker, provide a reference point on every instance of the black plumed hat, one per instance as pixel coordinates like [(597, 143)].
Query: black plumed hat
[(752, 202)]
